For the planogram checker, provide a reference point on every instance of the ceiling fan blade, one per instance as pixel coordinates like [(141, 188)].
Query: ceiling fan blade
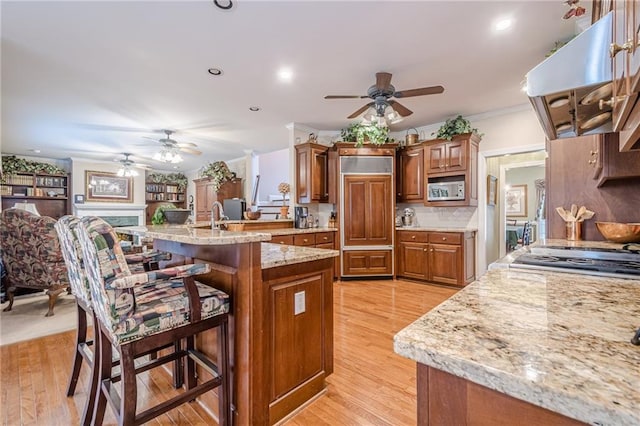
[(142, 166), (186, 144), (190, 150), (400, 109), (344, 97), (433, 90), (361, 110), (383, 80)]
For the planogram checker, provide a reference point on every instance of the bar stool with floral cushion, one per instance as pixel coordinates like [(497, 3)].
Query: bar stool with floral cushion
[(136, 318)]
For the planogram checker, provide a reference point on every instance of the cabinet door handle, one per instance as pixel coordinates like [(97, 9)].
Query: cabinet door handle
[(444, 238), (431, 250), (615, 48), (413, 237), (414, 154), (591, 161), (593, 152), (447, 165), (424, 249)]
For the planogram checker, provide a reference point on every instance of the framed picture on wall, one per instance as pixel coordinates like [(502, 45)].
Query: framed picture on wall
[(108, 187), (516, 200), (492, 190)]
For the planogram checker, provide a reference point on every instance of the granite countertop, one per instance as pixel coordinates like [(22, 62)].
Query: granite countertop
[(274, 255), (557, 340), (192, 235), (434, 229)]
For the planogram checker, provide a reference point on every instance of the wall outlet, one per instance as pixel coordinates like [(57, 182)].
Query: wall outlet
[(299, 303)]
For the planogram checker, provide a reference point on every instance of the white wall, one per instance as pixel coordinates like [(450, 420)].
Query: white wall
[(273, 168)]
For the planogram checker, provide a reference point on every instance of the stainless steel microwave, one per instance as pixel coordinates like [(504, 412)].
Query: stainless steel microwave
[(445, 191)]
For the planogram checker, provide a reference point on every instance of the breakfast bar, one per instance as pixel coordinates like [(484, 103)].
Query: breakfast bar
[(281, 324), (523, 346)]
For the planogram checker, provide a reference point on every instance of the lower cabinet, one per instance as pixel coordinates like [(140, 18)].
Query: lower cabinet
[(439, 257), (323, 240), (367, 262)]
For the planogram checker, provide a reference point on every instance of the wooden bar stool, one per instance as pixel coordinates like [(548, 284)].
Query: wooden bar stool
[(134, 318)]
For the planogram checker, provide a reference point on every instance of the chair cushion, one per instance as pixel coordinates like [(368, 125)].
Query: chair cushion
[(161, 306)]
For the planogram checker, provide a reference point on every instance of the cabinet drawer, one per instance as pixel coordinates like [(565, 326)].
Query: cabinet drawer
[(413, 236), (282, 239), (304, 240), (445, 237), (325, 246), (324, 237)]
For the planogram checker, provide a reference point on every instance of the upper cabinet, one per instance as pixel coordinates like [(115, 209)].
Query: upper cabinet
[(311, 173), (608, 163), (625, 64), (410, 175), (446, 157), (450, 165)]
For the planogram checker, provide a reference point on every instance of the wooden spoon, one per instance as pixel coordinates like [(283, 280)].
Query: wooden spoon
[(563, 213), (574, 210), (581, 212)]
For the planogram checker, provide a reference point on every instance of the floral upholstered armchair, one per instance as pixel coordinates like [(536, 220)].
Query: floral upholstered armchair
[(31, 254)]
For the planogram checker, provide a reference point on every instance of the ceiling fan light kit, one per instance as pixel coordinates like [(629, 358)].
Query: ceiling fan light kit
[(381, 93), (168, 156)]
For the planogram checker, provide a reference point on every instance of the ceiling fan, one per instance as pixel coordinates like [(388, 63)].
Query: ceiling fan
[(383, 91), (128, 166), (170, 152)]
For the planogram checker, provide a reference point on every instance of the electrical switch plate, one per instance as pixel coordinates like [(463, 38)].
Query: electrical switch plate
[(299, 303)]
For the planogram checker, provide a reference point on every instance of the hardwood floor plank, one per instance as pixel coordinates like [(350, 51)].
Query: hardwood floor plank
[(371, 385)]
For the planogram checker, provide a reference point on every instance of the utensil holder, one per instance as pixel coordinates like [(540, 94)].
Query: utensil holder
[(574, 231)]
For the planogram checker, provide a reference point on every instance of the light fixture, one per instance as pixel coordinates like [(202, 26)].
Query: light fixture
[(168, 155), (502, 24), (382, 114), (254, 108), (30, 207), (215, 71), (285, 74), (127, 171)]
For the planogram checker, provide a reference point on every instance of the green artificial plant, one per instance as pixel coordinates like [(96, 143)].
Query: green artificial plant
[(219, 172), (12, 165), (453, 127), (158, 215), (359, 133), (170, 178)]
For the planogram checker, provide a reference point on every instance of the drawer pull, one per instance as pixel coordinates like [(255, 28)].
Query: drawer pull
[(305, 240), (424, 249), (413, 237), (444, 238), (326, 238)]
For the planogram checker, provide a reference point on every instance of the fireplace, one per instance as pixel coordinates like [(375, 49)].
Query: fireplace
[(113, 214)]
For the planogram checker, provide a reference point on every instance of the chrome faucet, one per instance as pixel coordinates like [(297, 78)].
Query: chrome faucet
[(216, 224)]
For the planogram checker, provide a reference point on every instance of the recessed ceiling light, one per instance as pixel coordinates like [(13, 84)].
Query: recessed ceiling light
[(215, 71), (254, 108), (502, 24), (285, 74)]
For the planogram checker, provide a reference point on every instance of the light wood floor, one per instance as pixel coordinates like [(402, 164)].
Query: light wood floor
[(371, 385)]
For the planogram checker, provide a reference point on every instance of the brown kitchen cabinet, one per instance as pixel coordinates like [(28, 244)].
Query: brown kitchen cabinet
[(570, 180), (609, 164), (456, 159), (206, 195), (410, 175), (311, 173), (439, 257), (626, 70)]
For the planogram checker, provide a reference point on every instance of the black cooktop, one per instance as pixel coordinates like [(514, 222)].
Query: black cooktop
[(626, 267)]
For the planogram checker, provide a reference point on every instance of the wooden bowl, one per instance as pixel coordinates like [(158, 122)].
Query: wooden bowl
[(251, 215), (620, 232)]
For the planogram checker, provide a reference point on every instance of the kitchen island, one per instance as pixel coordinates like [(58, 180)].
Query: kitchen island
[(529, 347), (281, 325)]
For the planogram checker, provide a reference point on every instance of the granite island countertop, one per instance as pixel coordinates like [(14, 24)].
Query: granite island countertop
[(274, 255), (557, 340), (194, 235)]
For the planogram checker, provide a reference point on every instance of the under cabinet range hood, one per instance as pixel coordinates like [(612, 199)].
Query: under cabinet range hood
[(567, 87)]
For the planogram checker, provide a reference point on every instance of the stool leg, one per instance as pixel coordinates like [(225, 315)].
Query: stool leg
[(105, 363), (224, 406), (178, 378), (81, 338), (189, 364), (94, 387), (129, 394)]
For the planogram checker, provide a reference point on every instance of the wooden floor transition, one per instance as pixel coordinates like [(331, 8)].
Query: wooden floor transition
[(371, 385)]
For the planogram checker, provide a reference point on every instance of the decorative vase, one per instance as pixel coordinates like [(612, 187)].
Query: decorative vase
[(284, 212)]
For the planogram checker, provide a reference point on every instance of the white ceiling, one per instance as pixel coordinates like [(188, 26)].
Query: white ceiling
[(92, 79)]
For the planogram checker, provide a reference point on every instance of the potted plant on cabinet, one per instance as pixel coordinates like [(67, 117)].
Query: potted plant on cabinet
[(219, 172), (455, 126), (359, 133)]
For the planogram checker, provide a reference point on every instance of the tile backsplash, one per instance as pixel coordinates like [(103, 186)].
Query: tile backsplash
[(463, 217)]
